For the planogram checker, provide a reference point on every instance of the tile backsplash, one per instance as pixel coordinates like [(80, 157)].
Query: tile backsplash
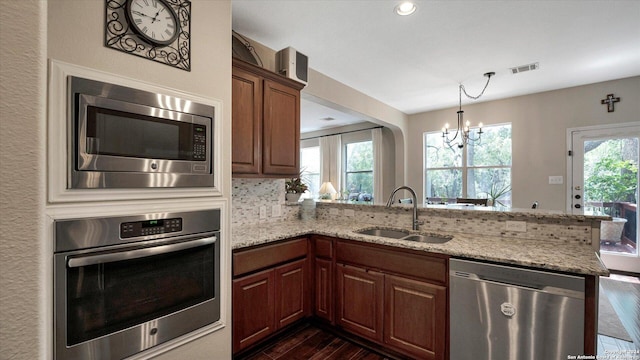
[(249, 195), (540, 226)]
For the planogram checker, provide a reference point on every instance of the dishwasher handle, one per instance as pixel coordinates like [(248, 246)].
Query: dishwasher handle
[(521, 285)]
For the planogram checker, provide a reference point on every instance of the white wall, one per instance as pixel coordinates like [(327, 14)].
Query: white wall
[(72, 31), (539, 129), (22, 118)]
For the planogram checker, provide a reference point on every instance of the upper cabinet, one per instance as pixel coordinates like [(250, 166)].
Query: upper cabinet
[(266, 123)]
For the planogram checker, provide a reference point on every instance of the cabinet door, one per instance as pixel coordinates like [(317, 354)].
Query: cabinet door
[(415, 317), (253, 315), (281, 130), (360, 301), (323, 304), (292, 293), (246, 128)]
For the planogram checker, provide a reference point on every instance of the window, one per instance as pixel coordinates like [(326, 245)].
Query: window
[(358, 170), (481, 169), (310, 167)]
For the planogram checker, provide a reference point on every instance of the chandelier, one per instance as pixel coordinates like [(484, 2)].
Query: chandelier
[(464, 130)]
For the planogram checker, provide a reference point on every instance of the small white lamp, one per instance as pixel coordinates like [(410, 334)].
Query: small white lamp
[(327, 191)]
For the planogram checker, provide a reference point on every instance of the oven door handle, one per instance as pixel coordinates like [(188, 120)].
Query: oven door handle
[(138, 253)]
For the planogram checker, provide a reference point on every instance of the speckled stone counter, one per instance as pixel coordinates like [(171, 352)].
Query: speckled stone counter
[(570, 257)]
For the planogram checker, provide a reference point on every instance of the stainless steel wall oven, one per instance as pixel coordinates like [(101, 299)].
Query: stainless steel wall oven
[(122, 137), (125, 284)]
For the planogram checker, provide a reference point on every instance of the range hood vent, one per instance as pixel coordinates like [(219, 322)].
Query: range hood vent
[(523, 68)]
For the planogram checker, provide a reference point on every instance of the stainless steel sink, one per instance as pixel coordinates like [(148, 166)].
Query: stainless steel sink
[(405, 235), (431, 239), (390, 233)]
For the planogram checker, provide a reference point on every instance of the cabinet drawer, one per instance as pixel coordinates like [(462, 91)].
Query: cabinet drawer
[(324, 247), (246, 261), (405, 263)]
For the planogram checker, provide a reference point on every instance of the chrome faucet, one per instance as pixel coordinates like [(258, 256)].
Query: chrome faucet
[(414, 200)]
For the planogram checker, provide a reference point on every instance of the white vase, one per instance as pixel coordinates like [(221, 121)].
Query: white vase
[(292, 198), (611, 231)]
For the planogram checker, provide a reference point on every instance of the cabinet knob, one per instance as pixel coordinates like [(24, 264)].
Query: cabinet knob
[(577, 206)]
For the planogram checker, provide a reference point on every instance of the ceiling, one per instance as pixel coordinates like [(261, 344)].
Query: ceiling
[(415, 63)]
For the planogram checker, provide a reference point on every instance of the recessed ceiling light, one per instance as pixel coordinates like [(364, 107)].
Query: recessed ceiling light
[(405, 8)]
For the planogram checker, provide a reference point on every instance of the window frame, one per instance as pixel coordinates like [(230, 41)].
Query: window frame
[(306, 144), (353, 138), (464, 167)]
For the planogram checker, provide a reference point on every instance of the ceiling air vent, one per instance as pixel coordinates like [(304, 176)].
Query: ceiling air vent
[(523, 68)]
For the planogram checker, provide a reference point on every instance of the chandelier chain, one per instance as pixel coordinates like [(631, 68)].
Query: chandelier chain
[(462, 89)]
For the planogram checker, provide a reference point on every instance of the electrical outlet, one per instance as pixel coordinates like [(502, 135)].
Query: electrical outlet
[(334, 212), (556, 180), (349, 212), (516, 226), (263, 212), (276, 210)]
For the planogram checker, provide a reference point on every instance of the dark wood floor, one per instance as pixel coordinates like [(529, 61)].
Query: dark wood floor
[(310, 342)]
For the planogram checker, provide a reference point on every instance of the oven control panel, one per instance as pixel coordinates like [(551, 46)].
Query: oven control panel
[(150, 227)]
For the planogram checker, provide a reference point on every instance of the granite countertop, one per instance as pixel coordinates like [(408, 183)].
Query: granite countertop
[(566, 257)]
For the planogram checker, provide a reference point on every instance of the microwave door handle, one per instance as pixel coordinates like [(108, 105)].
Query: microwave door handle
[(138, 253)]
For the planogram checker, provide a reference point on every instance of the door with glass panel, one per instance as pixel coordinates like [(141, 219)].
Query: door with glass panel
[(604, 181)]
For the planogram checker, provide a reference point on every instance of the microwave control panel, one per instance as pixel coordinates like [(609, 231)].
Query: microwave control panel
[(150, 227), (199, 142)]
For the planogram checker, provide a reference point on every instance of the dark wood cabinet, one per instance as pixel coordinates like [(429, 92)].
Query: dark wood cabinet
[(360, 301), (395, 297), (323, 308), (281, 130), (246, 129), (265, 122), (253, 304), (324, 304), (415, 317), (291, 294), (271, 289)]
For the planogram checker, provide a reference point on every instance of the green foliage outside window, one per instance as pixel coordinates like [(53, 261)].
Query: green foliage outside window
[(611, 172), (487, 165), (359, 168)]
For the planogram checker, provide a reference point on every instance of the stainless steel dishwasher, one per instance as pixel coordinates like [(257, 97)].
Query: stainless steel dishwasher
[(507, 313)]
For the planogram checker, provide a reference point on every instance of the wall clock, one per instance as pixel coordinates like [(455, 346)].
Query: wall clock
[(159, 30)]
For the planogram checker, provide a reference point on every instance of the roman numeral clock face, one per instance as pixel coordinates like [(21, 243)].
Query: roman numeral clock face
[(154, 20)]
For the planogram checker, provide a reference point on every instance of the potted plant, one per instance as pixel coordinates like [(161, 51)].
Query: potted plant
[(294, 188), (495, 193)]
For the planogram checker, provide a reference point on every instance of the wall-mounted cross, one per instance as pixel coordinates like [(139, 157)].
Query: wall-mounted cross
[(610, 100)]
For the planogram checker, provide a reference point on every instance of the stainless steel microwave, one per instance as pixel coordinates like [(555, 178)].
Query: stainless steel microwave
[(122, 137)]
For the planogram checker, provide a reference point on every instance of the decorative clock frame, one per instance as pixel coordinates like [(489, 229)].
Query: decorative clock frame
[(120, 35)]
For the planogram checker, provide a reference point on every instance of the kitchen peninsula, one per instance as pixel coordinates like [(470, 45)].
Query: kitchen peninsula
[(339, 258)]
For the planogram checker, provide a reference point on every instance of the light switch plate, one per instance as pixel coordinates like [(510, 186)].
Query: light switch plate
[(334, 212), (556, 180), (276, 210), (349, 212), (263, 212), (516, 226)]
